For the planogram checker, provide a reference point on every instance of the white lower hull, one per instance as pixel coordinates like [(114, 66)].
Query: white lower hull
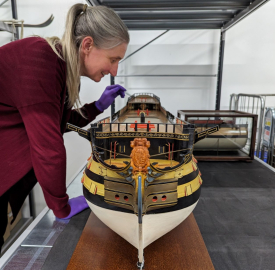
[(153, 225)]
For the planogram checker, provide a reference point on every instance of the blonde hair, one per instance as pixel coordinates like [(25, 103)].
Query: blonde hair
[(99, 22)]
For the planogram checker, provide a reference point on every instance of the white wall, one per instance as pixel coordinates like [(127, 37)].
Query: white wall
[(249, 65), (177, 52)]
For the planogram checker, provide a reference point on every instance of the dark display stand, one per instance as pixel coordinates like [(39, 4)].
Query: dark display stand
[(99, 248)]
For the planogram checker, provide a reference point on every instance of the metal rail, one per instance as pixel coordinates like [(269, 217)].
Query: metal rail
[(232, 102), (1, 4), (15, 16), (254, 104), (128, 56), (113, 105), (220, 71)]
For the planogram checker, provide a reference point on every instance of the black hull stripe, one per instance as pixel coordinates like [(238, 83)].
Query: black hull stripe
[(188, 178), (182, 203), (95, 177)]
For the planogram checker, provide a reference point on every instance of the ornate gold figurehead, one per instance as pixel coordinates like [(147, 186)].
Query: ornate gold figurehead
[(140, 155)]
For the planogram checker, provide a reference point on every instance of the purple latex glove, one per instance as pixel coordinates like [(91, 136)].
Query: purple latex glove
[(78, 204), (109, 95)]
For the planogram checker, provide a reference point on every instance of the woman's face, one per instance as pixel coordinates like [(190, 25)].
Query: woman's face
[(96, 63)]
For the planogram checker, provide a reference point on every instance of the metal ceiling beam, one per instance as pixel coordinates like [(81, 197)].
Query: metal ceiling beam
[(173, 3), (222, 18), (252, 7), (170, 20), (174, 15), (176, 25), (93, 2), (197, 8)]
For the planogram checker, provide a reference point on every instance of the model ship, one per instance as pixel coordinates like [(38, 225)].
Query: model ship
[(230, 137), (142, 179)]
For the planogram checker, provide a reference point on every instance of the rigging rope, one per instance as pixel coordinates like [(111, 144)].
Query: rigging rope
[(170, 152), (150, 155), (112, 151)]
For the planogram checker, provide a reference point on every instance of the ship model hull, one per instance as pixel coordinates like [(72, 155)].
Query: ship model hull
[(142, 179), (184, 190), (153, 225)]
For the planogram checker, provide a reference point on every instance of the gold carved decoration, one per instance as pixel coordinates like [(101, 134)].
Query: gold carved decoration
[(140, 155), (134, 134)]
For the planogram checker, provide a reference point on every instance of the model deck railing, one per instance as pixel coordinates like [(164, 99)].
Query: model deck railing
[(104, 120), (143, 94), (143, 127)]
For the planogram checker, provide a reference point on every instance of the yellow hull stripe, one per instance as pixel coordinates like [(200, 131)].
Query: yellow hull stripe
[(185, 169), (183, 190), (189, 188), (92, 186)]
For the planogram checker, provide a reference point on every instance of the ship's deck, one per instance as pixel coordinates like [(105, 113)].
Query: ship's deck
[(155, 117), (144, 99)]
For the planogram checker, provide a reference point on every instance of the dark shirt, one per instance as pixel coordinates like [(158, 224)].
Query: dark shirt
[(33, 119)]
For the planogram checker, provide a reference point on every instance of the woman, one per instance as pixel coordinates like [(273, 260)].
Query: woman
[(39, 85)]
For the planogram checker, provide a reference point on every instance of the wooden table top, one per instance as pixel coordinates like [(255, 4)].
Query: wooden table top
[(99, 248)]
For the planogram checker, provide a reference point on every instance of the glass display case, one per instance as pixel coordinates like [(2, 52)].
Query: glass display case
[(267, 153), (235, 139)]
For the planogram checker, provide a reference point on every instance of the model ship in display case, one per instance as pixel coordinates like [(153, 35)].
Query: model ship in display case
[(235, 139), (142, 179)]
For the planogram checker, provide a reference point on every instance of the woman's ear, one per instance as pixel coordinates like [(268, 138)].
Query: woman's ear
[(87, 44)]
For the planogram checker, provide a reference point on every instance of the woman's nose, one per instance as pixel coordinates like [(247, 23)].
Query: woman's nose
[(114, 69)]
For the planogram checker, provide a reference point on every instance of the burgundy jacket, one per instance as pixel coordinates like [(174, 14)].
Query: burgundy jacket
[(33, 117)]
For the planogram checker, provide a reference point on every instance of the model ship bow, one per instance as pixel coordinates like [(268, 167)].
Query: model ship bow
[(142, 179)]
